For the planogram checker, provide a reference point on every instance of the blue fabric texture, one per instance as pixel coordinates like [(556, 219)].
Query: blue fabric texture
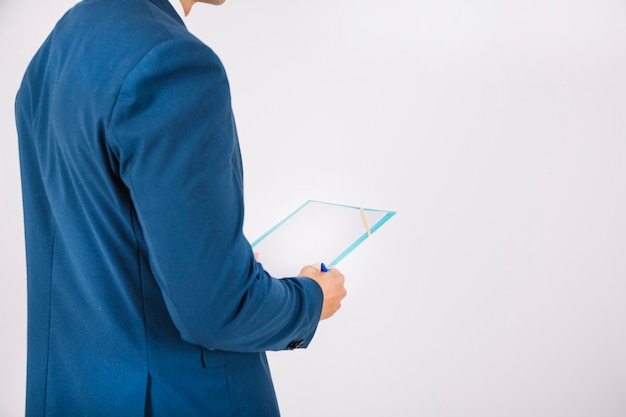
[(144, 297)]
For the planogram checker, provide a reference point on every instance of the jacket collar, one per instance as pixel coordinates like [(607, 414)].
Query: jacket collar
[(167, 7)]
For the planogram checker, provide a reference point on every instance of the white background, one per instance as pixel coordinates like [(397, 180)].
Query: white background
[(495, 128)]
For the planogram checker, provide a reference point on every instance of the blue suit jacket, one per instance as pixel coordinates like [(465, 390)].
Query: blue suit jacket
[(144, 297)]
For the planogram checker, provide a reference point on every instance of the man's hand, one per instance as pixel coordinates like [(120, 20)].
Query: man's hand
[(332, 284)]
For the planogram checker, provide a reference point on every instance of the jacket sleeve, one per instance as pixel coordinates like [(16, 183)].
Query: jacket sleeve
[(174, 136)]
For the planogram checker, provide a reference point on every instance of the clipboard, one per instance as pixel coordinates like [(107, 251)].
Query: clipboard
[(317, 231)]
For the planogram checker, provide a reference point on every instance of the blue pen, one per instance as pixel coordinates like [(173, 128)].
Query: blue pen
[(323, 267)]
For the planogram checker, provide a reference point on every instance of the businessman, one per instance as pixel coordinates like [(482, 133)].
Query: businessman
[(144, 296)]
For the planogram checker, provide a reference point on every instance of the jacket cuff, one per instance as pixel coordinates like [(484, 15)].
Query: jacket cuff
[(312, 310)]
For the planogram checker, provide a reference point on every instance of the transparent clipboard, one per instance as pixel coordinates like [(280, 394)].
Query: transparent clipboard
[(317, 231)]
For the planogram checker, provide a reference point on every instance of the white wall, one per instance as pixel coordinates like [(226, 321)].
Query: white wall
[(496, 129)]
